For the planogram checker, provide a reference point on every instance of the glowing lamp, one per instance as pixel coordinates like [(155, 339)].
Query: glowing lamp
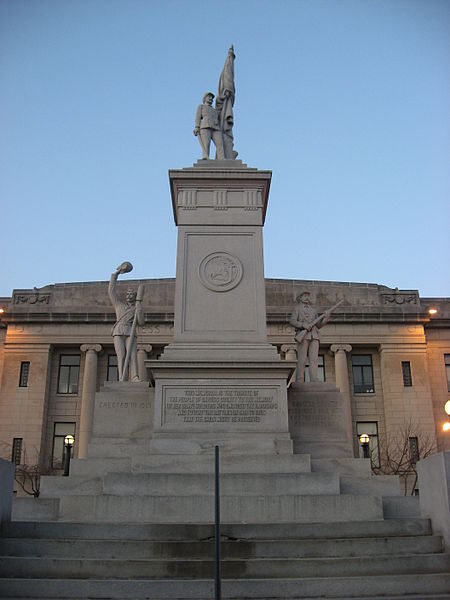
[(432, 311)]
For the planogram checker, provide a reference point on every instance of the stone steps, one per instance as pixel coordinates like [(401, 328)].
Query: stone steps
[(277, 561)]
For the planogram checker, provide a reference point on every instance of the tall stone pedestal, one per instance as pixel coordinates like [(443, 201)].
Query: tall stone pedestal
[(220, 381), (318, 420)]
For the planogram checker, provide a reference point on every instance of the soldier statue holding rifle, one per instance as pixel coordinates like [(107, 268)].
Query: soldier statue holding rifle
[(307, 324), (129, 315)]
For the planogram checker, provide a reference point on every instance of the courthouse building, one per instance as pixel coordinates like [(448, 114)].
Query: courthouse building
[(384, 348)]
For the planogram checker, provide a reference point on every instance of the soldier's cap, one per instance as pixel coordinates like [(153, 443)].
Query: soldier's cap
[(301, 294), (206, 95)]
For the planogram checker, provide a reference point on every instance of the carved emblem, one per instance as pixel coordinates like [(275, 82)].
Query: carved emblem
[(400, 297), (220, 271), (34, 297)]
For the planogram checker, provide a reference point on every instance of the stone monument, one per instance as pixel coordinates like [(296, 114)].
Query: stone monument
[(220, 381)]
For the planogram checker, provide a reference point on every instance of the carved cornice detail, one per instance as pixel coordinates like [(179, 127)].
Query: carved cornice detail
[(220, 200), (34, 297), (188, 199), (397, 297)]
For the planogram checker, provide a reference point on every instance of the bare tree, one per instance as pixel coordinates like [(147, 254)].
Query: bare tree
[(400, 451), (27, 476)]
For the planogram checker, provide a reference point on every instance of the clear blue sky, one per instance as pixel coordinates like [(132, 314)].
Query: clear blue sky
[(347, 102)]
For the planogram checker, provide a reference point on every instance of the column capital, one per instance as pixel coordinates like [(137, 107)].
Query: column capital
[(144, 347), (337, 347), (88, 347)]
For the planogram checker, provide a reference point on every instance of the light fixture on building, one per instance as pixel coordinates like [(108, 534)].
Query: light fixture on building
[(69, 441), (2, 310), (364, 440), (446, 425), (432, 311)]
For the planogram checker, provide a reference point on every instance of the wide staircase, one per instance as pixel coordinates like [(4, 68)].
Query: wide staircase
[(395, 558)]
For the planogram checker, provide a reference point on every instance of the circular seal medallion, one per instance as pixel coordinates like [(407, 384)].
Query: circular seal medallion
[(220, 271)]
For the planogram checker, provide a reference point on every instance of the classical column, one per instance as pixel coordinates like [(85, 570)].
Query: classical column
[(341, 368), (142, 351), (88, 397)]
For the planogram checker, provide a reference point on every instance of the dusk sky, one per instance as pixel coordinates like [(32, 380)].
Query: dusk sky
[(347, 102)]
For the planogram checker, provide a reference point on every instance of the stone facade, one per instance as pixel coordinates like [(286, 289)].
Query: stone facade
[(390, 329)]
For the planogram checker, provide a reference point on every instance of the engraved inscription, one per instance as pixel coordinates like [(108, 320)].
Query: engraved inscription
[(220, 271), (128, 405), (213, 405), (313, 413)]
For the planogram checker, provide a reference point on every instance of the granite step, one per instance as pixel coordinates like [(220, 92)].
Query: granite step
[(126, 568), (204, 549), (259, 508), (428, 585), (232, 531)]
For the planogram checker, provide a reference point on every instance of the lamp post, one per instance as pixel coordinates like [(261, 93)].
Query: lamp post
[(364, 440), (69, 441)]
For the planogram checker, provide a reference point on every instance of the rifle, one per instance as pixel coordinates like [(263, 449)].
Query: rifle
[(139, 296), (300, 335)]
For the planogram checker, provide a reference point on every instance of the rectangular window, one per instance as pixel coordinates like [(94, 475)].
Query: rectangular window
[(447, 369), (113, 372), (69, 371), (371, 428), (406, 370), (414, 449), (320, 370), (362, 374), (59, 433), (16, 455), (24, 372)]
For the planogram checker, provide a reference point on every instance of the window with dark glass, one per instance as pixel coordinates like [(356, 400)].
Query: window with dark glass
[(24, 372), (16, 455), (320, 370), (362, 374), (69, 371), (406, 371), (371, 428), (59, 433), (113, 372), (447, 369), (414, 449)]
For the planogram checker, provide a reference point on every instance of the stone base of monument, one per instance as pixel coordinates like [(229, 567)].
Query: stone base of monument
[(318, 420), (125, 480), (239, 406)]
